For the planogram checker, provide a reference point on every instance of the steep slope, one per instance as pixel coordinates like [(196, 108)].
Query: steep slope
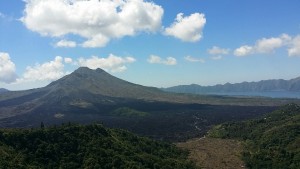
[(271, 141), (92, 146), (101, 83), (261, 86)]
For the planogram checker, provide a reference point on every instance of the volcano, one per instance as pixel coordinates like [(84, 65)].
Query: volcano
[(85, 92)]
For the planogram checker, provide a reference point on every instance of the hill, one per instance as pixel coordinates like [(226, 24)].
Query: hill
[(269, 142), (261, 86), (92, 146)]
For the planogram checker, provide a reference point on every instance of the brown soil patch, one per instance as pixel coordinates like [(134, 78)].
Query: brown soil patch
[(212, 153)]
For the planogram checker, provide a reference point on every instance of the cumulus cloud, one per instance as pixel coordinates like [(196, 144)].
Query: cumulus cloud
[(264, 45), (111, 63), (7, 69), (97, 21), (215, 50), (188, 29), (268, 45), (243, 50), (153, 59), (294, 49), (66, 44), (192, 59), (48, 71)]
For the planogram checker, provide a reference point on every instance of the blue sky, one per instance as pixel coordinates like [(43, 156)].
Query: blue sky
[(153, 43)]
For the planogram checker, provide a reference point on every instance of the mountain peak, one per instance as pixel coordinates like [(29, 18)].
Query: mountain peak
[(86, 70), (100, 82)]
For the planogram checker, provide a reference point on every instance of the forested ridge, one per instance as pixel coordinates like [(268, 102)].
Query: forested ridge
[(90, 146), (269, 142)]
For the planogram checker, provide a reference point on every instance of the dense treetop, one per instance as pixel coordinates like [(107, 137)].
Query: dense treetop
[(91, 146)]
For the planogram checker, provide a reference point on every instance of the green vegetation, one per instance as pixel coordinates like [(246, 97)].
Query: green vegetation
[(91, 146), (128, 112), (269, 142)]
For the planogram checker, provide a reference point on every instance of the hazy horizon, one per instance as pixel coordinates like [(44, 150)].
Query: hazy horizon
[(151, 43), (44, 85)]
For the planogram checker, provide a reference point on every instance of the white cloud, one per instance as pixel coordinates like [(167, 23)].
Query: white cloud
[(264, 45), (294, 49), (68, 60), (48, 71), (243, 50), (112, 63), (7, 69), (97, 21), (215, 50), (268, 45), (170, 61), (153, 59), (188, 29), (192, 59), (66, 44)]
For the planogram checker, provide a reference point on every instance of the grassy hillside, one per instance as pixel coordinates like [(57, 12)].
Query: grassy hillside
[(270, 142), (92, 146), (214, 153)]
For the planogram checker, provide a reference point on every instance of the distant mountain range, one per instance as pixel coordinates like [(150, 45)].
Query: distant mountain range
[(261, 86)]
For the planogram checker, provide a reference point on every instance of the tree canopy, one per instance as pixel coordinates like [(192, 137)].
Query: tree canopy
[(90, 146)]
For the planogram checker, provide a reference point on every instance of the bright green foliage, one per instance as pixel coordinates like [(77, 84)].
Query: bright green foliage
[(91, 146), (270, 142), (128, 112)]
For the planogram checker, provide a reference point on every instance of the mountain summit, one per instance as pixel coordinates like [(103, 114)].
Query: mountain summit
[(102, 83)]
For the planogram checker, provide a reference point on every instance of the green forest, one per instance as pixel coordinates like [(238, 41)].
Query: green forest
[(91, 146), (272, 141)]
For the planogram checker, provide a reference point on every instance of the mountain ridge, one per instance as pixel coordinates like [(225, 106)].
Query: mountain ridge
[(259, 86)]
